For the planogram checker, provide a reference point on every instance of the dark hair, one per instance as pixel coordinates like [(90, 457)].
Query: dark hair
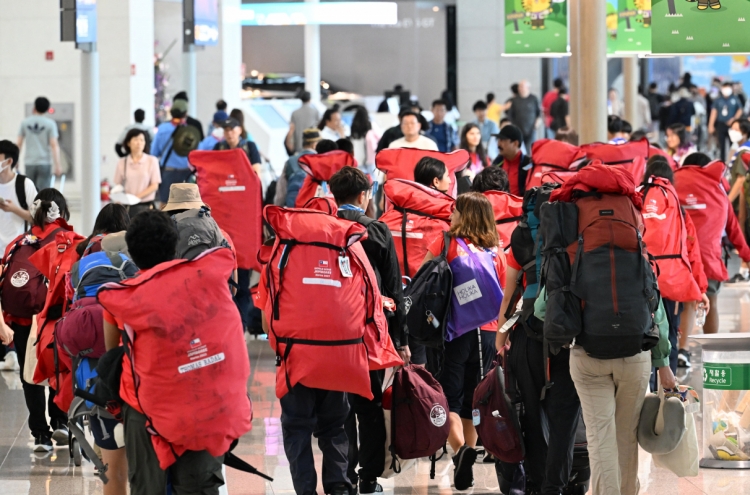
[(658, 166), (113, 218), (744, 127), (361, 123), (697, 158), (439, 102), (325, 145), (653, 85), (479, 105), (447, 97), (237, 114), (9, 150), (345, 145), (638, 135), (727, 83), (406, 114), (151, 239), (427, 169), (41, 105), (567, 135), (490, 98), (464, 145), (558, 83), (182, 95), (46, 197), (347, 184), (130, 135), (504, 120), (327, 116), (627, 128), (614, 124), (514, 89), (681, 132), (305, 96), (139, 115), (491, 179), (562, 91), (221, 106)]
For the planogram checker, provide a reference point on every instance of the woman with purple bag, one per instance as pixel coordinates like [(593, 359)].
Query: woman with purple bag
[(478, 267)]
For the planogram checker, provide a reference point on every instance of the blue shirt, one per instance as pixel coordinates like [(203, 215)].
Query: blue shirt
[(162, 145), (726, 108), (487, 128), (208, 143), (444, 135)]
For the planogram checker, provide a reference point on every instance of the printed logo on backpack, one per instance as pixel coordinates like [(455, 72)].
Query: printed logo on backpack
[(20, 278)]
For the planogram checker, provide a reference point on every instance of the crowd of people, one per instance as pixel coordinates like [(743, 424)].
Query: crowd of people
[(468, 183)]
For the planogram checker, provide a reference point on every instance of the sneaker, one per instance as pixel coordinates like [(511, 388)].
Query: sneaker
[(43, 443), (370, 487), (739, 280), (463, 474), (10, 363), (683, 359), (61, 436)]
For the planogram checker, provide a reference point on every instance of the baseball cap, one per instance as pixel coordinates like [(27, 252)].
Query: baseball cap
[(220, 117), (231, 123), (180, 106), (511, 133)]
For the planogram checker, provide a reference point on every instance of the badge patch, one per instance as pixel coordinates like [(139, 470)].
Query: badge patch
[(20, 278), (438, 415)]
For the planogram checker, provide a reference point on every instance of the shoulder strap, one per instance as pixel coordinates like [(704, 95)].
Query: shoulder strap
[(163, 162), (21, 191), (446, 244)]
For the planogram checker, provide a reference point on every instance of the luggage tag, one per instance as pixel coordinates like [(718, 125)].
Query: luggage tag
[(475, 418), (432, 320), (345, 267)]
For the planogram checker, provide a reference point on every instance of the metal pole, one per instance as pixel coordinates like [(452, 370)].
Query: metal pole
[(592, 72), (190, 76), (312, 59), (574, 93), (91, 165), (630, 76)]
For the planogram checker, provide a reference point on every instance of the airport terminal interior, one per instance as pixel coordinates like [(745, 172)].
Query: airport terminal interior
[(522, 224)]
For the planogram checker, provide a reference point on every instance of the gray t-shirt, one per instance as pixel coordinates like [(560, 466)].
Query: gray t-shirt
[(37, 131), (303, 118)]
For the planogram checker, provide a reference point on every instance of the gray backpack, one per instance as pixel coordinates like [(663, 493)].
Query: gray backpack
[(198, 232)]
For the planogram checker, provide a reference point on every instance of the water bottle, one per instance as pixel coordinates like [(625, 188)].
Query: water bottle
[(700, 315)]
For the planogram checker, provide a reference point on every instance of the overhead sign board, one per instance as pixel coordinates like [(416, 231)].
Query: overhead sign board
[(299, 14)]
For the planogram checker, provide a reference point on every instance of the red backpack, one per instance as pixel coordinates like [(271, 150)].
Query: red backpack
[(551, 156), (23, 286), (185, 346), (416, 216), (324, 309), (499, 427), (666, 241), (399, 163), (320, 169), (419, 414), (632, 156), (508, 210)]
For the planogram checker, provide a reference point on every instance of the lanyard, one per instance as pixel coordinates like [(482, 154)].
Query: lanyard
[(351, 207)]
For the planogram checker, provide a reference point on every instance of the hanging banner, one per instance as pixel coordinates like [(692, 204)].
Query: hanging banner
[(700, 27), (611, 26), (536, 28), (633, 27)]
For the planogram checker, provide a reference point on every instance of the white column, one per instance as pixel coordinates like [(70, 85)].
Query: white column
[(573, 32), (190, 77), (142, 58), (592, 70), (630, 79), (312, 59), (90, 171), (231, 52)]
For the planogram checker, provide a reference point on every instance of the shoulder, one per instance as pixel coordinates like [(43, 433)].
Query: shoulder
[(29, 187)]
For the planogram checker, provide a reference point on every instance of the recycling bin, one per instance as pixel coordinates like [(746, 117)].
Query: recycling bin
[(726, 400)]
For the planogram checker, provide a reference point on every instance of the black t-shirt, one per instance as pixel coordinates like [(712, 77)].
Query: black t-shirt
[(558, 111), (251, 150)]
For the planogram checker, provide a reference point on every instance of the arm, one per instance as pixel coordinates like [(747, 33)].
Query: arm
[(55, 148), (712, 121), (660, 353), (19, 142), (254, 156), (390, 276), (264, 321), (8, 206), (150, 189), (6, 334), (694, 255), (736, 188), (734, 232), (289, 140), (511, 277), (111, 335)]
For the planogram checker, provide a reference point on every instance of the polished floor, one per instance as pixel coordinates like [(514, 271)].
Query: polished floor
[(24, 473)]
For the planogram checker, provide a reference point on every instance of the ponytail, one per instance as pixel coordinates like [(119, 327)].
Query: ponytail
[(48, 206)]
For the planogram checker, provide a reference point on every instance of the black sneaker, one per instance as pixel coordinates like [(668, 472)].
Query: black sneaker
[(738, 280), (340, 489), (43, 443), (61, 435), (683, 359), (463, 474), (370, 487)]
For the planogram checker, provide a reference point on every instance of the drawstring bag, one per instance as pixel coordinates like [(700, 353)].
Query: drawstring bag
[(662, 422), (683, 460)]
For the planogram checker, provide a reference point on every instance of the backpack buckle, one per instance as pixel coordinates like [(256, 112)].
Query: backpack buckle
[(278, 361)]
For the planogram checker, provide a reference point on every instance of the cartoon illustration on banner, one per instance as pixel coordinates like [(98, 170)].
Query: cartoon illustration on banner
[(536, 27)]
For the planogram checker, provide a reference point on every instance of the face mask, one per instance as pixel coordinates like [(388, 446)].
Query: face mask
[(727, 92), (735, 136), (3, 165)]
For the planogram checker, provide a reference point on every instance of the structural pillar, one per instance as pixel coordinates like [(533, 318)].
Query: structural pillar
[(231, 52), (573, 32), (630, 76), (91, 163), (312, 59), (592, 71), (190, 77)]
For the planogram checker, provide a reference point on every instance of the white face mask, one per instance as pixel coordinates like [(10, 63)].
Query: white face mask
[(4, 165), (735, 136), (727, 92)]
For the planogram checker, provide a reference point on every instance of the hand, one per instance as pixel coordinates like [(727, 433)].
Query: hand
[(8, 206), (6, 334), (666, 377), (711, 129), (58, 171), (405, 354), (706, 302)]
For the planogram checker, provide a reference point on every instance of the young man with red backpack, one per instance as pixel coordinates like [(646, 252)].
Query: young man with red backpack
[(352, 191)]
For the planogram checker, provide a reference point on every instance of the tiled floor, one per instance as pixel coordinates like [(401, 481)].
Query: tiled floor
[(24, 473)]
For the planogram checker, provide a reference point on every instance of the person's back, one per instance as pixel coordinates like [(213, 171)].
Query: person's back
[(39, 133), (304, 117)]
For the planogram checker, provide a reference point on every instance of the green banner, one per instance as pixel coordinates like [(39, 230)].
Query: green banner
[(611, 26), (633, 27), (726, 376), (536, 27), (702, 26)]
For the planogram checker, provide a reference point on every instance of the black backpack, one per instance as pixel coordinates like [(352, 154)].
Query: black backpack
[(428, 300)]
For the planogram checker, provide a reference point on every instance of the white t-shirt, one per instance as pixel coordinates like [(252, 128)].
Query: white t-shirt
[(11, 225), (422, 143)]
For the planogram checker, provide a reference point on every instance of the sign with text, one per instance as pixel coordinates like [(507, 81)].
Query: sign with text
[(536, 27)]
